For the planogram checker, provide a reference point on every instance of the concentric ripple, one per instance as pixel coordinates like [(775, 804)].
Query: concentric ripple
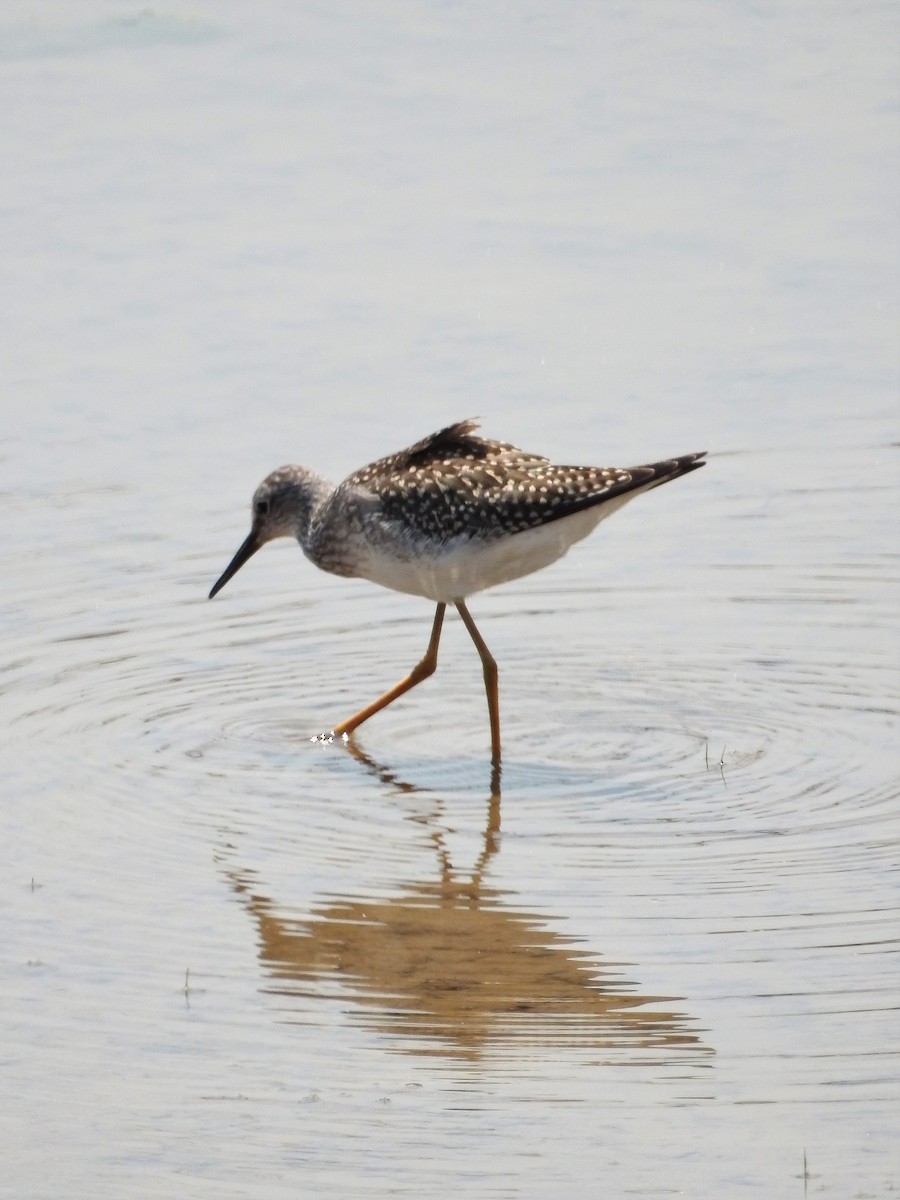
[(724, 797)]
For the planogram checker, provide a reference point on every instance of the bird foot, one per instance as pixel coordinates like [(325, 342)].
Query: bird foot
[(325, 739)]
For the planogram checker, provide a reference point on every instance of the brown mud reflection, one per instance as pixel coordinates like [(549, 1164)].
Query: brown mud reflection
[(451, 964)]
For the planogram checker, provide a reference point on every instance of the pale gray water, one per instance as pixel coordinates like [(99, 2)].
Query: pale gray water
[(664, 962)]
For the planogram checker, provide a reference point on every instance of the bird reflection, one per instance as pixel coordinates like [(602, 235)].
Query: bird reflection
[(448, 966), (385, 775)]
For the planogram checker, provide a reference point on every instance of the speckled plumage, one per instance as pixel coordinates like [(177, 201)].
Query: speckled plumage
[(447, 517), (454, 483), (429, 519)]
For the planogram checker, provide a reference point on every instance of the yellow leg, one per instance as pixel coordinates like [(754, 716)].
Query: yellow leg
[(490, 679), (419, 672)]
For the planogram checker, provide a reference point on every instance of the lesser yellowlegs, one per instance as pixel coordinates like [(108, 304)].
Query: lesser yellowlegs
[(452, 515)]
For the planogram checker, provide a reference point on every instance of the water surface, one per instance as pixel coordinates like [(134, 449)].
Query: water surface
[(661, 950)]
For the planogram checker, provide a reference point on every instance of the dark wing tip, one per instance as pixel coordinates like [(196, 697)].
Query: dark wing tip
[(671, 468)]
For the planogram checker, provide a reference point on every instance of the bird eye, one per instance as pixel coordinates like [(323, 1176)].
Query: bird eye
[(261, 508)]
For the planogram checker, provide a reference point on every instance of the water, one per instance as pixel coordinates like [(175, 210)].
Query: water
[(662, 960)]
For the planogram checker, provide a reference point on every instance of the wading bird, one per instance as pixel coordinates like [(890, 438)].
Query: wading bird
[(450, 516)]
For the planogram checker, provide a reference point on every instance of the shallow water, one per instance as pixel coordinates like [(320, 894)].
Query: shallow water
[(658, 956)]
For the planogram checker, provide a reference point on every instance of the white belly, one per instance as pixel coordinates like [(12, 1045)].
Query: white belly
[(463, 566)]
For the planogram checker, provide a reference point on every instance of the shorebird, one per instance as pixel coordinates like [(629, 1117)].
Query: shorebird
[(447, 517)]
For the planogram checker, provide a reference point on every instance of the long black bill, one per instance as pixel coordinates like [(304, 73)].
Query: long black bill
[(247, 550)]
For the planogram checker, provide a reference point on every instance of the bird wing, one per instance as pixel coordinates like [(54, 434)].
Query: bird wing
[(453, 483)]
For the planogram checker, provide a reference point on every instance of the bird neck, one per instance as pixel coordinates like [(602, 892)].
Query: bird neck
[(312, 492)]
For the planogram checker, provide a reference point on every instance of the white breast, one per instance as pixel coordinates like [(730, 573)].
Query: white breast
[(463, 566)]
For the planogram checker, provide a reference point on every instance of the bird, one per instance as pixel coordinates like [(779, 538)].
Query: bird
[(448, 517)]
